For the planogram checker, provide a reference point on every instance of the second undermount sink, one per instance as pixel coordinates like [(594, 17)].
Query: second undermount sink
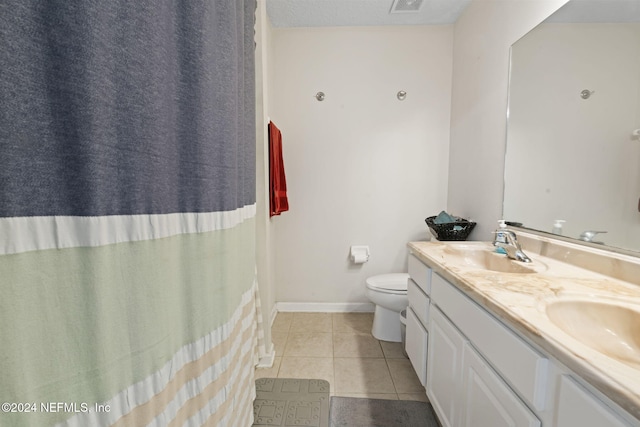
[(484, 257), (610, 327)]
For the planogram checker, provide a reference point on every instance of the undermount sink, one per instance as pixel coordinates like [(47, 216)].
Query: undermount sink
[(610, 327), (484, 257)]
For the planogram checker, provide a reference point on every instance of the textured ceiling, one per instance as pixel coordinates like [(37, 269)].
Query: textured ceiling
[(332, 13)]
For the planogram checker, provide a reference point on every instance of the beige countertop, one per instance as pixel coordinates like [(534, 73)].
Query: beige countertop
[(520, 300)]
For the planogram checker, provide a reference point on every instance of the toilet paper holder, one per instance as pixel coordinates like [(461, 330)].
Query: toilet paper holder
[(359, 254)]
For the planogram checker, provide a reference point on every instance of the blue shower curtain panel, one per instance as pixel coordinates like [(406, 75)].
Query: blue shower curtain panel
[(127, 201)]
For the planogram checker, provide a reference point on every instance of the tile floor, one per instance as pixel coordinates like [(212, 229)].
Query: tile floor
[(339, 348)]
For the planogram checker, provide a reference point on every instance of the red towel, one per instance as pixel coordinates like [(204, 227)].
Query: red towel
[(278, 201)]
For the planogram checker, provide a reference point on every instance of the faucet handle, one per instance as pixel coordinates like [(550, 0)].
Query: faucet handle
[(512, 238), (587, 236)]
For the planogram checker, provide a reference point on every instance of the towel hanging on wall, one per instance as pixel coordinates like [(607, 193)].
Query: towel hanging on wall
[(278, 201)]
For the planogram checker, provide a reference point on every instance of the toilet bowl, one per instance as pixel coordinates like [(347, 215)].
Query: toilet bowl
[(389, 293)]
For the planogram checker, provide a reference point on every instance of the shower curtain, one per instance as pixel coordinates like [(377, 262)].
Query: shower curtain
[(128, 292)]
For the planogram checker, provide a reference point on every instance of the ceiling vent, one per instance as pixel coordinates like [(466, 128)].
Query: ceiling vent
[(405, 6)]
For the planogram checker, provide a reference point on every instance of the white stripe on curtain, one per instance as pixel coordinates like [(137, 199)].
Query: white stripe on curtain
[(23, 234), (240, 376)]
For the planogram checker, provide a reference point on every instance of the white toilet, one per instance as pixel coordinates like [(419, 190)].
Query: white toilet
[(389, 293)]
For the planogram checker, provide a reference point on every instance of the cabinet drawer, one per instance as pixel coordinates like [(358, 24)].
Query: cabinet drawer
[(519, 364), (419, 302), (416, 345), (420, 273)]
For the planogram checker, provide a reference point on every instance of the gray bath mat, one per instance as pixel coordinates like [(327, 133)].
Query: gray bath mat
[(288, 402), (357, 412)]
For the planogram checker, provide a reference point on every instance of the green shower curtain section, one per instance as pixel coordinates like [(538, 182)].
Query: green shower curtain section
[(76, 329), (128, 291)]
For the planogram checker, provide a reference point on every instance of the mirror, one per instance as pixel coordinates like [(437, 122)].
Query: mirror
[(573, 133)]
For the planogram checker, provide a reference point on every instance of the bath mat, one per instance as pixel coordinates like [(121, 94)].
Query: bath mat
[(283, 402), (357, 412)]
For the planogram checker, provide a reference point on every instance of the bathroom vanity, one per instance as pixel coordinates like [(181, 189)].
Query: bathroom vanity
[(550, 343)]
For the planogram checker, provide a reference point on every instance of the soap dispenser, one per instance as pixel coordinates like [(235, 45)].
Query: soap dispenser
[(500, 236), (557, 226)]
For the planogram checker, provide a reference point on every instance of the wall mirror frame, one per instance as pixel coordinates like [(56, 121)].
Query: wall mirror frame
[(573, 125)]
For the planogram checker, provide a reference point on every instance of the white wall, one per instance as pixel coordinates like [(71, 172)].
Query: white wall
[(590, 176), (265, 238), (334, 150), (482, 38), (362, 167)]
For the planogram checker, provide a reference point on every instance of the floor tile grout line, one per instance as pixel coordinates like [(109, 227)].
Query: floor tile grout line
[(391, 375), (386, 361)]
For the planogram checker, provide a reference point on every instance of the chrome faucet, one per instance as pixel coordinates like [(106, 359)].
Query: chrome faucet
[(512, 246), (587, 236)]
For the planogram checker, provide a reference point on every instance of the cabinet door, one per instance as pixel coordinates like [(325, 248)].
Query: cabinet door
[(578, 407), (416, 345), (487, 400), (444, 368)]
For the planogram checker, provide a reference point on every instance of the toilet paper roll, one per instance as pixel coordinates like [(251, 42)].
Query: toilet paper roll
[(359, 257), (359, 254)]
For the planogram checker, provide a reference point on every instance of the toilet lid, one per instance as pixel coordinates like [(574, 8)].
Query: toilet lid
[(390, 282)]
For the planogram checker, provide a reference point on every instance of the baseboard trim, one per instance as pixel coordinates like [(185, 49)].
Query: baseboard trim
[(326, 307)]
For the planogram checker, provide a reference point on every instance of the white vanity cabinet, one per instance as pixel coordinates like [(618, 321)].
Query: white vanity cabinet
[(418, 290), (481, 373), (464, 389)]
